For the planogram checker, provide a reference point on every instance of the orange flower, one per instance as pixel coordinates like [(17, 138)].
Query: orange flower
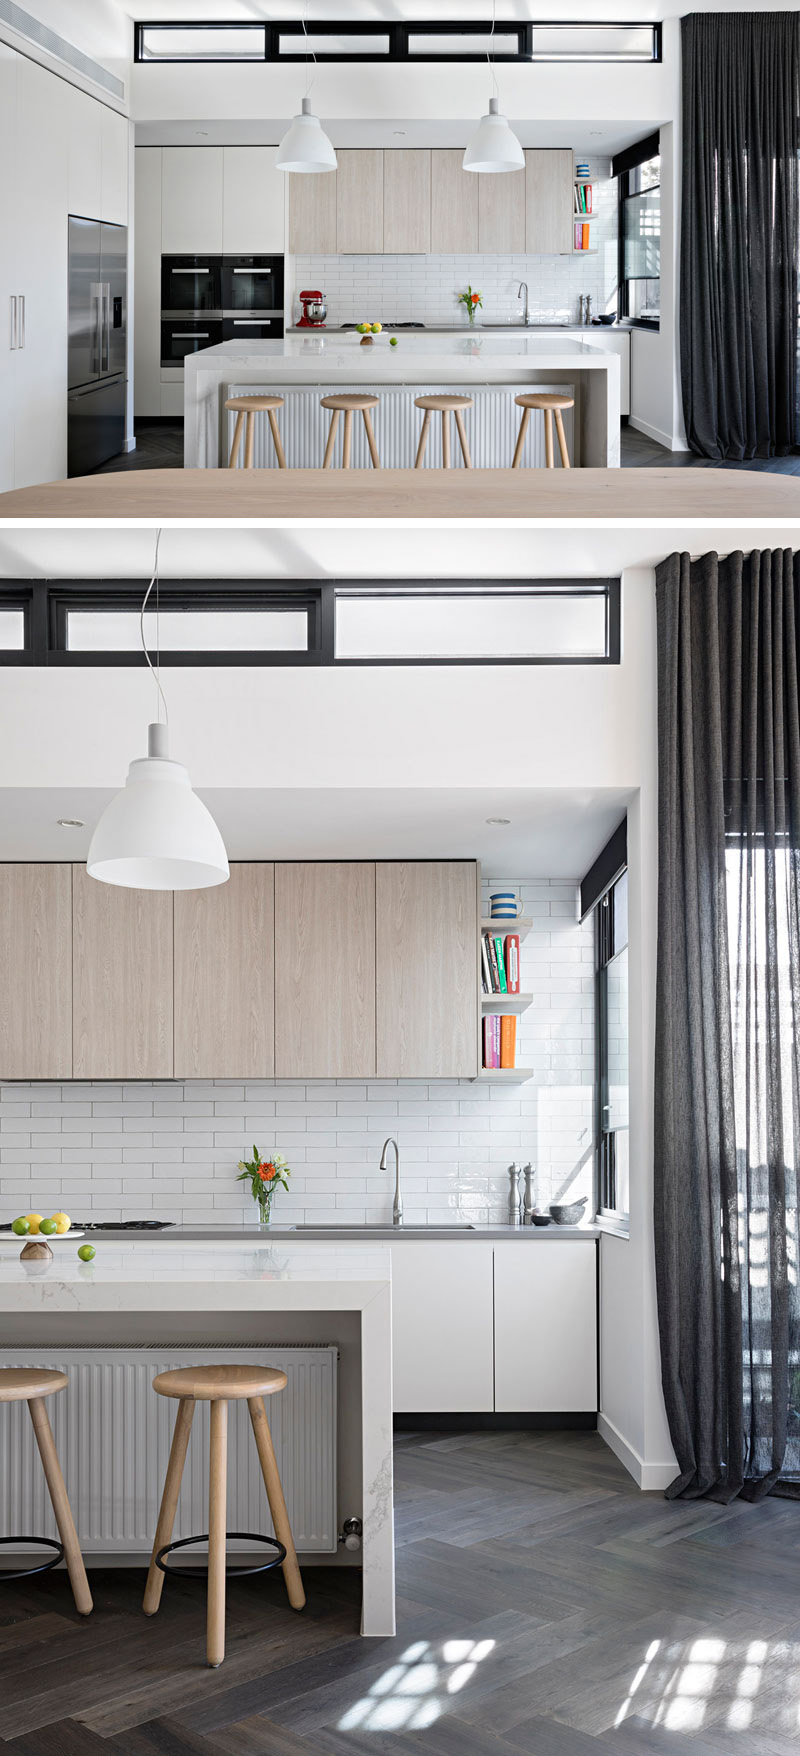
[(475, 298)]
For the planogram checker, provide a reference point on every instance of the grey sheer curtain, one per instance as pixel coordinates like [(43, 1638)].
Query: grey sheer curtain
[(739, 232), (727, 1120)]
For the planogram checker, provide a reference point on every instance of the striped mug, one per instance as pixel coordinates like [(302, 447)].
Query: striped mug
[(504, 905)]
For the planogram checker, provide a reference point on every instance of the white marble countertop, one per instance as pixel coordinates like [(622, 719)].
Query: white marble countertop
[(204, 1276), (304, 354), (371, 1239)]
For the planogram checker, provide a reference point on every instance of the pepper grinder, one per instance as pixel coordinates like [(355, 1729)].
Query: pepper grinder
[(588, 308), (514, 1214), (528, 1204)]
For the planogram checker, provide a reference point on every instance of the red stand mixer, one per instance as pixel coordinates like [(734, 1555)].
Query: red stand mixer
[(315, 311)]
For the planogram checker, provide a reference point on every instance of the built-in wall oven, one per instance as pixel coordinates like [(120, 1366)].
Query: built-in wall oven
[(209, 299)]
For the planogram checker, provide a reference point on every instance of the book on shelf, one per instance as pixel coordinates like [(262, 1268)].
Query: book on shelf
[(512, 962), (501, 964), (486, 968), (491, 1040), (583, 193), (508, 1040), (582, 235)]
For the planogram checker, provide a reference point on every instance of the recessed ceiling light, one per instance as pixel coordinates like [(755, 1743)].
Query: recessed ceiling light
[(498, 821), (399, 131), (201, 133), (71, 823)]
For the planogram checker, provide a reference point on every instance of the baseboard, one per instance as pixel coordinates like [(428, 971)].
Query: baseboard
[(494, 1423), (666, 439), (651, 1477)]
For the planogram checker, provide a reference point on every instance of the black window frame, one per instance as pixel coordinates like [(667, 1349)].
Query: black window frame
[(46, 605), (606, 950), (622, 165), (398, 34)]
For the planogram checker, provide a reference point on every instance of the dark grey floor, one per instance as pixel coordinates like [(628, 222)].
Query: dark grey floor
[(159, 445), (545, 1608)]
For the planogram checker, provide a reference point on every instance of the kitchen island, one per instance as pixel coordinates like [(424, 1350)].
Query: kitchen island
[(264, 1295), (490, 368)]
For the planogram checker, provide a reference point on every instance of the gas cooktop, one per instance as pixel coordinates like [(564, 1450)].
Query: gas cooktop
[(112, 1225), (388, 326)]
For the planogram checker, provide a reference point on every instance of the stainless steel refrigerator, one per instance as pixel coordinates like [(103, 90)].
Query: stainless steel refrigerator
[(98, 321)]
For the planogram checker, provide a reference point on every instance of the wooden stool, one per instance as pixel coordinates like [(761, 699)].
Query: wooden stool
[(443, 405), (349, 404), (220, 1385), (24, 1384), (248, 407), (550, 405)]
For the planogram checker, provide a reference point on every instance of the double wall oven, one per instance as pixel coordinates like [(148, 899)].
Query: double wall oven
[(209, 299)]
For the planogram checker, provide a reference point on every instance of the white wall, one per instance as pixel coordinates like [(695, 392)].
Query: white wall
[(98, 29), (171, 1149)]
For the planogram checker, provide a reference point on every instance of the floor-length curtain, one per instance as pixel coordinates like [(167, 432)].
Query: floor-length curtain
[(739, 232), (727, 1118)]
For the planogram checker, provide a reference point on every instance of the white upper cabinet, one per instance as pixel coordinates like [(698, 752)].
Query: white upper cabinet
[(407, 202), (114, 193), (191, 199), (39, 172), (85, 154), (253, 201), (8, 278)]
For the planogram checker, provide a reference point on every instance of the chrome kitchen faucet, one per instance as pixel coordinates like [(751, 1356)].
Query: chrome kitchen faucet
[(397, 1210)]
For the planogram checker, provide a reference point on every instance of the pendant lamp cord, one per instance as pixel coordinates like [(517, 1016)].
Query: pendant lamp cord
[(313, 56), (489, 56), (155, 670)]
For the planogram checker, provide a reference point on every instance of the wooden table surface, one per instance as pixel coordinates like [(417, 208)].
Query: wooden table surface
[(278, 494)]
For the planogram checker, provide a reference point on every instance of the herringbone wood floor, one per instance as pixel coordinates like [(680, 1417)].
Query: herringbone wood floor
[(545, 1608)]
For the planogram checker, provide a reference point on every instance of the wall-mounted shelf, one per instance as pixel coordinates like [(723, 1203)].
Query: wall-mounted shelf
[(506, 1002), (506, 1075), (521, 926)]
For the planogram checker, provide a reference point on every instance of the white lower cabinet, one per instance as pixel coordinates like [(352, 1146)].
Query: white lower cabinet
[(545, 1327), (442, 1328)]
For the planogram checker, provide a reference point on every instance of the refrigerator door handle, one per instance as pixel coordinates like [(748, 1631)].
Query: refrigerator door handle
[(14, 337), (21, 331), (105, 310)]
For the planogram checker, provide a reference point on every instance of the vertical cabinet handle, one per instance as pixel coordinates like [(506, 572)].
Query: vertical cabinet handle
[(21, 342), (14, 341)]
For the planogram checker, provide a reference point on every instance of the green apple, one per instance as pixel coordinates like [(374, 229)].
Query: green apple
[(48, 1227), (20, 1226), (393, 340), (86, 1252)]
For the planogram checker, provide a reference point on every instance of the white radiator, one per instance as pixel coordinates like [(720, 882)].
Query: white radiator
[(113, 1435), (492, 427)]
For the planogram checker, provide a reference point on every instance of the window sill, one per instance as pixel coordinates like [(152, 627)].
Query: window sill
[(615, 1228)]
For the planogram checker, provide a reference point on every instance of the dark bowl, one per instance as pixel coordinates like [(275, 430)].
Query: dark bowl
[(540, 1219), (567, 1213), (605, 318)]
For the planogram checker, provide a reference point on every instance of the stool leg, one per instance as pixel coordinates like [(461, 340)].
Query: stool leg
[(548, 439), (276, 439), (237, 436), (277, 1504), (373, 449), (445, 439), (217, 1498), (347, 440), (523, 428), (423, 440), (61, 1506), (169, 1502), (326, 461), (249, 439), (562, 440), (462, 434)]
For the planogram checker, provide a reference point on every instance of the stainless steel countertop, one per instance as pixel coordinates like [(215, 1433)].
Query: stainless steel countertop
[(347, 1233)]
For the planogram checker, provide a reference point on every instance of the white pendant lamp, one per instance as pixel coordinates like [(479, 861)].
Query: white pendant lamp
[(305, 146), (156, 834), (494, 145)]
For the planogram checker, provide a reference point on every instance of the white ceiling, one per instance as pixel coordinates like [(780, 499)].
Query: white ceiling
[(314, 550), (555, 834), (414, 11), (597, 137)]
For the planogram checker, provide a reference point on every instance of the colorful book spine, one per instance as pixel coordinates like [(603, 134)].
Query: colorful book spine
[(512, 962), (501, 967), (585, 237), (508, 1040), (486, 968), (490, 946), (491, 1041)]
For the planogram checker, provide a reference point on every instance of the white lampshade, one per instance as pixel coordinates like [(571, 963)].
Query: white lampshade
[(494, 146), (156, 834), (305, 146)]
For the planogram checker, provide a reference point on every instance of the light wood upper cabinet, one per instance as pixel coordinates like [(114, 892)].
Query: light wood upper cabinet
[(454, 204), (225, 977), (501, 213), (407, 202), (359, 202), (325, 970), (548, 201), (427, 969), (312, 213), (35, 972), (121, 981)]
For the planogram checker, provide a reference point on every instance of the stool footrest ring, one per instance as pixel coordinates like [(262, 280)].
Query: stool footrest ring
[(243, 1536), (28, 1572)]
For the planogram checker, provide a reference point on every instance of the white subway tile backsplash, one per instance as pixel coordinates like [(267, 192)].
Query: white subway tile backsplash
[(171, 1148)]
